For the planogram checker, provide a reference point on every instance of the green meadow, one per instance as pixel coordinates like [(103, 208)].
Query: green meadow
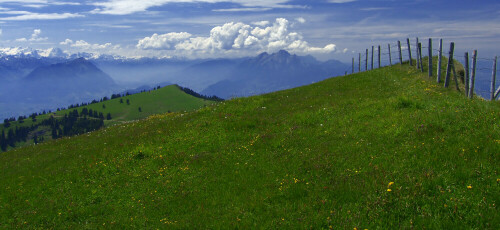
[(384, 149), (167, 99)]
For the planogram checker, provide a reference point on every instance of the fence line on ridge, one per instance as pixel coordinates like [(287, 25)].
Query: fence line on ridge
[(474, 66)]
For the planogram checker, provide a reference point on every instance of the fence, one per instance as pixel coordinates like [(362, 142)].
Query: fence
[(476, 69)]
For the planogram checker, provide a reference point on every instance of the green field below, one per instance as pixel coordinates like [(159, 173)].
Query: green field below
[(383, 149)]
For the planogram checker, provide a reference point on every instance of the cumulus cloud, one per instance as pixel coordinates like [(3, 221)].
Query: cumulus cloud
[(123, 7), (66, 42), (235, 37), (164, 41), (261, 23), (35, 37)]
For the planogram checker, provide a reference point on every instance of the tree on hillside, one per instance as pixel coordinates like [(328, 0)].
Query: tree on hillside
[(3, 141), (108, 116), (84, 112), (128, 102), (35, 139), (140, 110), (11, 138), (103, 106), (121, 100), (54, 132), (6, 123)]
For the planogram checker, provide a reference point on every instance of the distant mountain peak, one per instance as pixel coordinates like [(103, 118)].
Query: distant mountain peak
[(79, 68), (283, 53), (78, 60)]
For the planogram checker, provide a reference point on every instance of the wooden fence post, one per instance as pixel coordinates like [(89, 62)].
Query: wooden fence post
[(466, 74), (440, 59), (497, 92), (352, 65), (390, 55), (409, 50), (430, 57), (379, 57), (359, 63), (455, 77), (372, 57), (420, 57), (400, 53), (450, 62), (473, 75), (493, 79), (366, 60)]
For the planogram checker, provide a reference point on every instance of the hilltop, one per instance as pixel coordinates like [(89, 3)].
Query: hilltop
[(387, 148)]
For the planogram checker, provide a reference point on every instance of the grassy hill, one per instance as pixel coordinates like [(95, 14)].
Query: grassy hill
[(167, 99), (388, 149)]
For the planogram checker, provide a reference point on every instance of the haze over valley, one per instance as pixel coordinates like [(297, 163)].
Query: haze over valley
[(36, 83)]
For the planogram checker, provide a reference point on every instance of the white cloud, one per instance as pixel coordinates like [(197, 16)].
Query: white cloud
[(252, 9), (82, 45), (24, 1), (164, 41), (87, 46), (65, 3), (375, 8), (34, 5), (46, 2), (25, 15), (66, 42), (123, 7), (35, 37), (261, 23), (234, 37), (301, 20)]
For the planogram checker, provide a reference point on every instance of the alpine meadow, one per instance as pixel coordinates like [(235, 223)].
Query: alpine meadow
[(239, 114), (386, 148)]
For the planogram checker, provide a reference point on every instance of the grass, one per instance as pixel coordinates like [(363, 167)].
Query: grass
[(167, 99), (388, 149)]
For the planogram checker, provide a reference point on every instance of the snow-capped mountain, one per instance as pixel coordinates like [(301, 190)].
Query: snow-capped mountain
[(27, 52)]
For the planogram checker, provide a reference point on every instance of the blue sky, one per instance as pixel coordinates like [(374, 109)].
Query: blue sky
[(326, 29)]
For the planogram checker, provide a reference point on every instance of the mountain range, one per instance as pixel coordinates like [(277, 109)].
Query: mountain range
[(271, 72), (32, 82)]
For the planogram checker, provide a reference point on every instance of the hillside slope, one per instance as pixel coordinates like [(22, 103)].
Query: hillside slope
[(383, 149), (166, 99)]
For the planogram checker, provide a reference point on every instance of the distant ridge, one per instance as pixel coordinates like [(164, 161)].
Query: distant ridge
[(271, 72), (78, 78)]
